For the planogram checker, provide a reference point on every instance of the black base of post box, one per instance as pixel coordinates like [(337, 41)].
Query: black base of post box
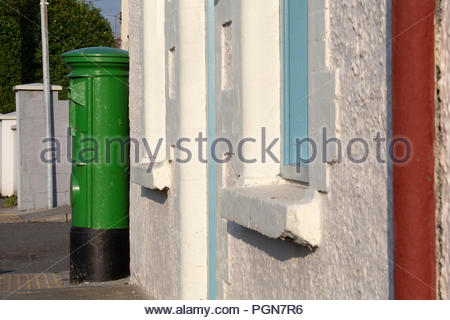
[(99, 255)]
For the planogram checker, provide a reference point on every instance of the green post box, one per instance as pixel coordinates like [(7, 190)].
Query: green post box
[(99, 237)]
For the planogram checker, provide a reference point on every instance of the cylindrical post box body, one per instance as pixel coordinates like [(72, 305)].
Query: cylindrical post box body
[(99, 238)]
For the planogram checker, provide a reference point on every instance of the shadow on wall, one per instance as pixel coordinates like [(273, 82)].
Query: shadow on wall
[(268, 245), (52, 134), (155, 195)]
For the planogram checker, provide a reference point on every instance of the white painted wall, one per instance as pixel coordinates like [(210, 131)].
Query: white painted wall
[(168, 100), (154, 121), (153, 230), (190, 114), (168, 228), (8, 183), (353, 259), (124, 29)]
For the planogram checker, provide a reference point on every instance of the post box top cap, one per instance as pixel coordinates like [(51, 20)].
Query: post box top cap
[(96, 54)]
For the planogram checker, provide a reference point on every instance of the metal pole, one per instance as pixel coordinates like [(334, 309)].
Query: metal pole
[(47, 92)]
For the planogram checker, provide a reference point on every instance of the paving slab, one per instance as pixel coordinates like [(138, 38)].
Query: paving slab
[(14, 215), (82, 292), (59, 214), (34, 260)]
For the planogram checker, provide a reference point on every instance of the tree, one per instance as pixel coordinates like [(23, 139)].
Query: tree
[(72, 24)]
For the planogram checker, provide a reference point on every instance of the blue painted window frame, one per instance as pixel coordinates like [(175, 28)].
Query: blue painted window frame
[(295, 86)]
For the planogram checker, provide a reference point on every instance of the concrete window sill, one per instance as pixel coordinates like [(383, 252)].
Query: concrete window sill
[(158, 178), (276, 211)]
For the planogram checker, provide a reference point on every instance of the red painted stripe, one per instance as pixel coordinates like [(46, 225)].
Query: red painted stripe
[(413, 118)]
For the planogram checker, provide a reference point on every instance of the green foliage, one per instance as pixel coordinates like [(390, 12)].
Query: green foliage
[(72, 24), (11, 202)]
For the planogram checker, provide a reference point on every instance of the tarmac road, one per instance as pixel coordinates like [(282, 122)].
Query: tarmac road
[(34, 247), (34, 260)]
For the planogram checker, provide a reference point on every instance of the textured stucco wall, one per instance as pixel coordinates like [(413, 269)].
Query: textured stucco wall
[(153, 253), (353, 260), (32, 172), (443, 146), (169, 228)]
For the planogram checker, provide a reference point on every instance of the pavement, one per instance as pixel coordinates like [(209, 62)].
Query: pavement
[(114, 290), (14, 215), (34, 259)]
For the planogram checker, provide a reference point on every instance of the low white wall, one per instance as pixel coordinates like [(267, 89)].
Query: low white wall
[(8, 185)]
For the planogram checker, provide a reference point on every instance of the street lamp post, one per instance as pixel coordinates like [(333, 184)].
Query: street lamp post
[(48, 102)]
